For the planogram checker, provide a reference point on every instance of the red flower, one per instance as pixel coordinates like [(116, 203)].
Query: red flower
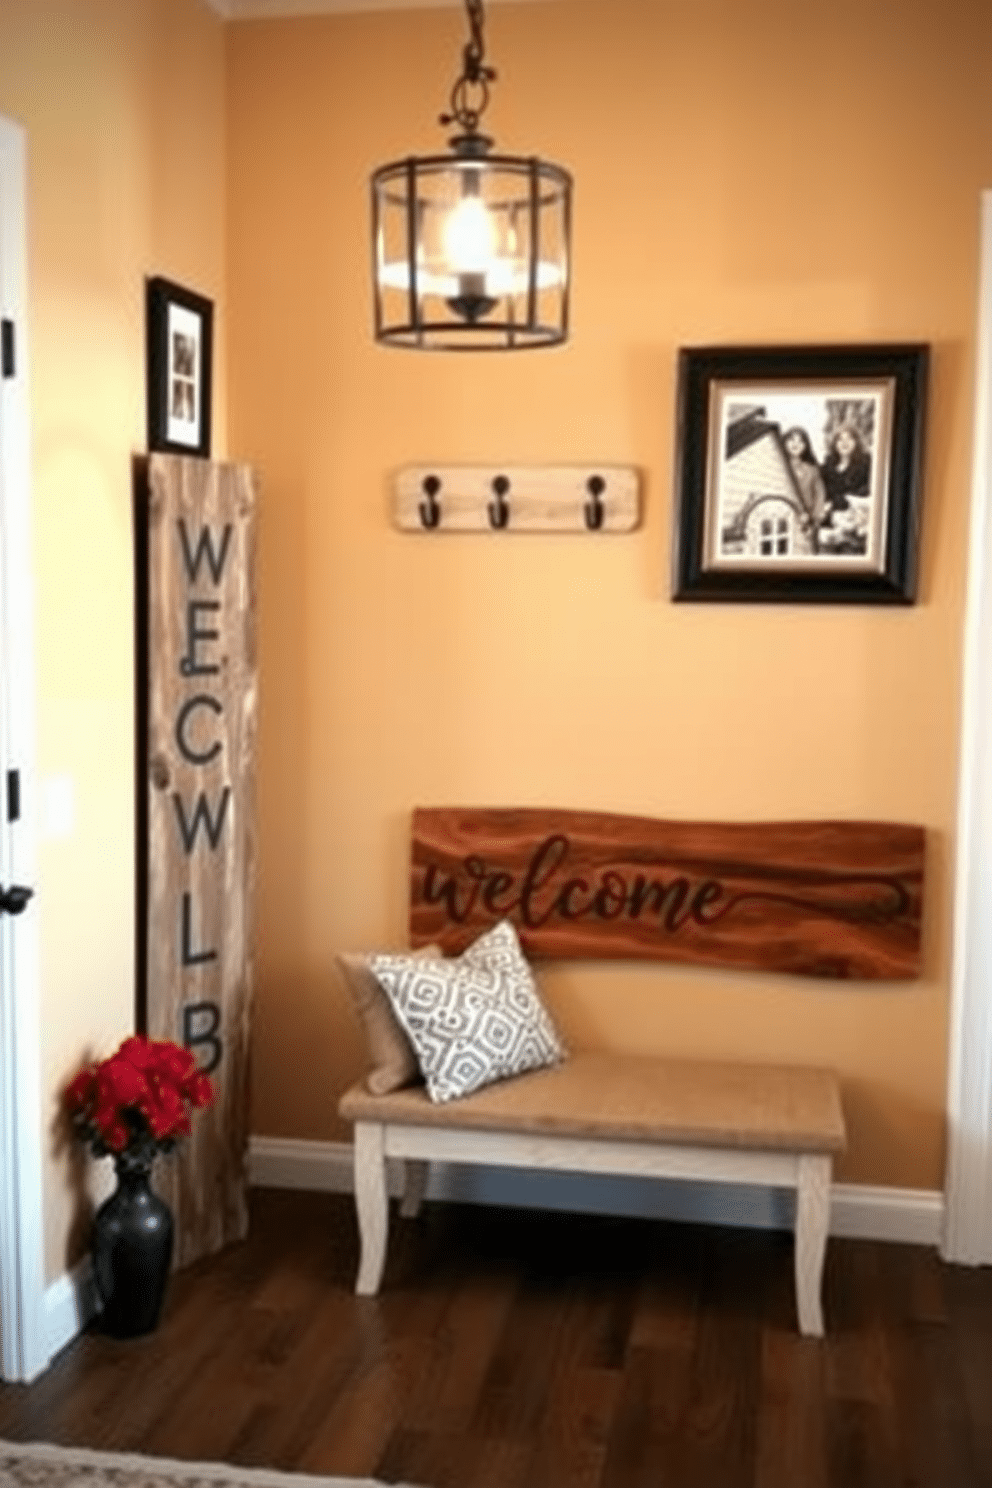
[(165, 1110), (198, 1089), (138, 1100), (173, 1062), (138, 1051), (116, 1135), (119, 1082)]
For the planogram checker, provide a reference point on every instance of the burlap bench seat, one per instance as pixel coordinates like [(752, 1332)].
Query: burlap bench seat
[(618, 1114)]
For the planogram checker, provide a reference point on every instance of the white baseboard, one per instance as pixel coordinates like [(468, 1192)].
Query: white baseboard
[(70, 1303), (857, 1211), (906, 1215), (910, 1216)]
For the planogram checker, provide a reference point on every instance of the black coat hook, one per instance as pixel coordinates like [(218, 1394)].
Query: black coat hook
[(595, 511), (499, 510), (430, 510)]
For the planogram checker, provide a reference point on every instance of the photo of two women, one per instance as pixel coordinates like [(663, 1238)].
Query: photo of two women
[(798, 476), (835, 490)]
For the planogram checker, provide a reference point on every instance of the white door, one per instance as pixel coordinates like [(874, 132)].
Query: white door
[(968, 1216), (23, 1351)]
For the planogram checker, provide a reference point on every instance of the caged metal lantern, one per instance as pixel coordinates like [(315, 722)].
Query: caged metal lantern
[(471, 249)]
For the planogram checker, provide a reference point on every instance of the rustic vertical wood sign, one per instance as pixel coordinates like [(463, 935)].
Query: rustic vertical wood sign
[(199, 807)]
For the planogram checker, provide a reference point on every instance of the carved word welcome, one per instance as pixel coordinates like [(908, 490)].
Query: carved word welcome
[(829, 899), (201, 751)]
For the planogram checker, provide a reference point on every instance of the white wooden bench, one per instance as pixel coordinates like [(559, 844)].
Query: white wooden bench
[(617, 1114)]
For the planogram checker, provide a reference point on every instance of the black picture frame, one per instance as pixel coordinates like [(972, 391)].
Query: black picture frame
[(836, 523), (179, 331)]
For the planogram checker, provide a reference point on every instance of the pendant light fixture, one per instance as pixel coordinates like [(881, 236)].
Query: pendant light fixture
[(471, 249)]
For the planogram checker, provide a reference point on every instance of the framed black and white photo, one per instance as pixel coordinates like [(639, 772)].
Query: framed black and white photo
[(799, 472), (179, 328)]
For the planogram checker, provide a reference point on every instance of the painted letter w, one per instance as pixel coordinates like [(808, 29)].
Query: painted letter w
[(204, 550), (212, 825)]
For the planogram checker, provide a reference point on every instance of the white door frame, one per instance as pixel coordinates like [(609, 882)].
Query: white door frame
[(23, 1345), (968, 1192)]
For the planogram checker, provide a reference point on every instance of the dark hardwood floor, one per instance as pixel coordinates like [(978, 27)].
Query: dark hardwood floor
[(522, 1349)]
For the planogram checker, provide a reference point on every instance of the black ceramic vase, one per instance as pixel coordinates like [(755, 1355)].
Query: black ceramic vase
[(132, 1251)]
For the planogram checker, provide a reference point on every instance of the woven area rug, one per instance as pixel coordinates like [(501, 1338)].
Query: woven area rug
[(43, 1466)]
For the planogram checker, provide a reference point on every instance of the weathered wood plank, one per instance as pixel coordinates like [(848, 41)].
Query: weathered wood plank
[(529, 498), (202, 701), (826, 899)]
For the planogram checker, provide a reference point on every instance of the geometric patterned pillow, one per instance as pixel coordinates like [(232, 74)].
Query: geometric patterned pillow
[(473, 1018)]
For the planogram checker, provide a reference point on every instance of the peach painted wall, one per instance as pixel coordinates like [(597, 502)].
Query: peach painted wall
[(736, 182), (123, 103)]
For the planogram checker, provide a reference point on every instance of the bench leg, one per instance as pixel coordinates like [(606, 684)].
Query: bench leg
[(812, 1220), (414, 1187), (372, 1204)]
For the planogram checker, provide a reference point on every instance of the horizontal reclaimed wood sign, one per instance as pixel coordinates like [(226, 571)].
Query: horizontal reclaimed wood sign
[(822, 899)]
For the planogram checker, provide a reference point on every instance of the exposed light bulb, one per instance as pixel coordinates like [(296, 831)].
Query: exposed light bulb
[(469, 237)]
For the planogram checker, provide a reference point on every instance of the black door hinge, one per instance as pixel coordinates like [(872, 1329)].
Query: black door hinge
[(7, 365), (15, 900), (13, 795)]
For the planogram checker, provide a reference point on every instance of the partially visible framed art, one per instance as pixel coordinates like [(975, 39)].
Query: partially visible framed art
[(799, 473), (179, 330)]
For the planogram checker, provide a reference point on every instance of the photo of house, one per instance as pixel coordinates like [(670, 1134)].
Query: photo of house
[(761, 508)]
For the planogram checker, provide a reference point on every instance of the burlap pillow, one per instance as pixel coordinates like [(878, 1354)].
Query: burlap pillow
[(392, 1062)]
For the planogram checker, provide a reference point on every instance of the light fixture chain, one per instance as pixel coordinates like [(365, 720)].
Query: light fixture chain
[(467, 108), (475, 49)]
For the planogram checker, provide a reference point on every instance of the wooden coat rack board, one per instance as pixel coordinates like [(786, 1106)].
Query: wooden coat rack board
[(823, 899), (512, 498)]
